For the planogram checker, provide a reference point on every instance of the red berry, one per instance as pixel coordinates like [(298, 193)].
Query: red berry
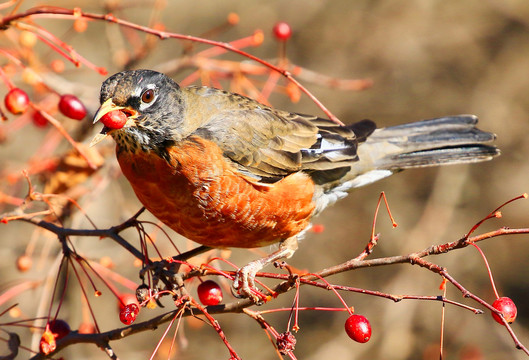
[(72, 107), (282, 31), (507, 307), (59, 328), (114, 119), (128, 314), (16, 101), (39, 120), (209, 293), (358, 328)]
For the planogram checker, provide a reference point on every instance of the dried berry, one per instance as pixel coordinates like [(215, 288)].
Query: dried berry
[(59, 328), (142, 293), (286, 342)]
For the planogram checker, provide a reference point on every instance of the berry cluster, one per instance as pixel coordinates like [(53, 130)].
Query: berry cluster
[(17, 102)]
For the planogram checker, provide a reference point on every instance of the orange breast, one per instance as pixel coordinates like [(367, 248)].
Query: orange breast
[(200, 195)]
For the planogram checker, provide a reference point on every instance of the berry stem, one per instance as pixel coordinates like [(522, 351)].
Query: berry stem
[(393, 222), (488, 269), (67, 136), (331, 287), (495, 213)]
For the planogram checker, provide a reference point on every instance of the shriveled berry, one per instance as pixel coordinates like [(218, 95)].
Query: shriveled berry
[(358, 328), (507, 307), (142, 293), (209, 293), (59, 328), (72, 107), (282, 31), (128, 314), (55, 330), (286, 342), (114, 119), (16, 101)]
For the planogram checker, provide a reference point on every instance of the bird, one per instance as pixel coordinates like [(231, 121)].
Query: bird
[(227, 171)]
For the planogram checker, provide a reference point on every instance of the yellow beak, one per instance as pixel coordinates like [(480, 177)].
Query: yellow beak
[(104, 109)]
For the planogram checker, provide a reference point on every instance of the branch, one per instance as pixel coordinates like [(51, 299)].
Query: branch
[(56, 12)]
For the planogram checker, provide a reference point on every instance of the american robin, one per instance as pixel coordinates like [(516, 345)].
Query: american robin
[(227, 171)]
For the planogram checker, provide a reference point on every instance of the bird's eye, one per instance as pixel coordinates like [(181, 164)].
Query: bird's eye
[(147, 96)]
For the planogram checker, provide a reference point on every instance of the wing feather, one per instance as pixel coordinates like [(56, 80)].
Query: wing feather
[(269, 144)]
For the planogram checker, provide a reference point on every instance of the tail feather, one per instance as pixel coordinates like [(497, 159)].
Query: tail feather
[(446, 140), (434, 142), (440, 156)]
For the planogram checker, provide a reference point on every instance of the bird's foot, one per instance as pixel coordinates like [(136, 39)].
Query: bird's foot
[(244, 282)]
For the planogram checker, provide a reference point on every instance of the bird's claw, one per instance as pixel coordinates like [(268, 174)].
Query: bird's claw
[(244, 284)]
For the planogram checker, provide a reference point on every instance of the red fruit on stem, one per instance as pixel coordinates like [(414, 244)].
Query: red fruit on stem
[(59, 328), (209, 293), (72, 107), (39, 120), (358, 328), (128, 314), (16, 101), (114, 119), (507, 307), (282, 31)]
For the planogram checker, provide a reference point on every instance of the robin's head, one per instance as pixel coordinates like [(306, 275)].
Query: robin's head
[(152, 104)]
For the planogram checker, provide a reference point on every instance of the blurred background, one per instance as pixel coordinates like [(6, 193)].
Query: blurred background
[(426, 59)]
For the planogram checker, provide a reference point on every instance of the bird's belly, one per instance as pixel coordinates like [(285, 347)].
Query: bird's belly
[(202, 197)]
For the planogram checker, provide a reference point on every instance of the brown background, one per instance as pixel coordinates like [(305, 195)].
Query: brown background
[(427, 59)]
